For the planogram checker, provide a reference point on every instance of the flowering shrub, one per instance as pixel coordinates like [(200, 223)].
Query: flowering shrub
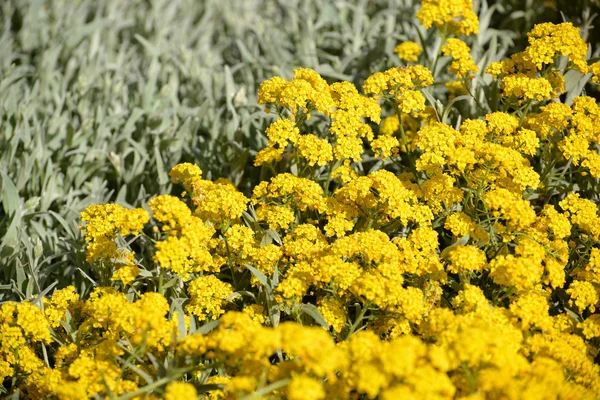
[(397, 247)]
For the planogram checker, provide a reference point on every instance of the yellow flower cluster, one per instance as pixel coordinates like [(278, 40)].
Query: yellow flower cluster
[(186, 246), (207, 296), (462, 62), (291, 191), (215, 202), (280, 133), (85, 361), (308, 92), (523, 87), (476, 341), (452, 16), (595, 70), (399, 79), (408, 51), (547, 41), (314, 150), (218, 202), (533, 74), (105, 223), (583, 213), (576, 128), (401, 87), (434, 256)]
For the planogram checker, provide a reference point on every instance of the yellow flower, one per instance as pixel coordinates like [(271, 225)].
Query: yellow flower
[(126, 274), (517, 212), (180, 390), (454, 15), (471, 299), (104, 223), (57, 306), (334, 313), (462, 62), (256, 312), (282, 132), (460, 224), (304, 387), (170, 211), (389, 126), (465, 259), (186, 247), (523, 87), (208, 296), (523, 273), (437, 141), (315, 150), (270, 90), (385, 146), (395, 79), (278, 217), (187, 174), (293, 191), (218, 202), (591, 326), (268, 155), (410, 101), (440, 193), (547, 41), (583, 213), (583, 295), (408, 51), (595, 70), (531, 310), (495, 69), (348, 147)]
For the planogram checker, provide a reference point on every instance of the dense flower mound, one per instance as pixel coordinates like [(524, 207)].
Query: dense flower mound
[(394, 249)]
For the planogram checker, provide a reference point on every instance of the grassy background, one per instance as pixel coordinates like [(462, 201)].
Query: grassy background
[(100, 98)]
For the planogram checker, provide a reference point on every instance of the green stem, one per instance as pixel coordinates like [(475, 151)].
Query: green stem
[(160, 280), (466, 83), (329, 174), (411, 162), (525, 112), (230, 262), (358, 320), (369, 224), (439, 52), (471, 377), (405, 141), (504, 296)]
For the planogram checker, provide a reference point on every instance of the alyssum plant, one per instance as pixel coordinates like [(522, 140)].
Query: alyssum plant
[(392, 250)]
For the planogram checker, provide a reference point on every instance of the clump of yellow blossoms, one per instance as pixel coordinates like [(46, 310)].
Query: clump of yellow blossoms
[(408, 51), (393, 248), (533, 74), (462, 62), (207, 296), (104, 224), (548, 40), (449, 15)]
